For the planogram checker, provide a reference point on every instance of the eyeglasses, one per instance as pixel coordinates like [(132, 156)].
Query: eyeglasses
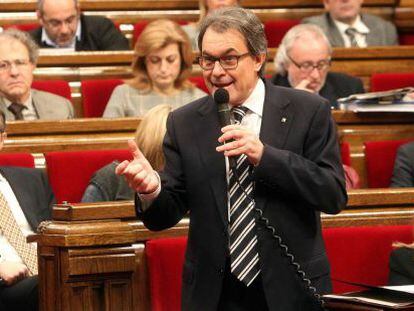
[(226, 62), (55, 23), (6, 65), (308, 67)]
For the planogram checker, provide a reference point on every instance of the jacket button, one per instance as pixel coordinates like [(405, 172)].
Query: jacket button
[(221, 271)]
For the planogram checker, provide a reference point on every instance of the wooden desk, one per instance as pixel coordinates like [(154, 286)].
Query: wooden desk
[(92, 256)]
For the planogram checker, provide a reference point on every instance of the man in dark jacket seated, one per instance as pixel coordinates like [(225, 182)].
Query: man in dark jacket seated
[(63, 26), (303, 60)]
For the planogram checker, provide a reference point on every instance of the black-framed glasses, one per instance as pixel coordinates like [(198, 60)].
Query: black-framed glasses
[(207, 62), (308, 67)]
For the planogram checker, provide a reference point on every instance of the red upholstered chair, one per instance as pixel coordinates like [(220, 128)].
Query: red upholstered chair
[(140, 26), (361, 254), (389, 81), (379, 160), (406, 38), (58, 87), (165, 259), (199, 82), (69, 172), (346, 153), (17, 159), (95, 96), (275, 30), (23, 27)]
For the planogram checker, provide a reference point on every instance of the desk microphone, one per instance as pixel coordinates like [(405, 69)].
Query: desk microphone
[(221, 98)]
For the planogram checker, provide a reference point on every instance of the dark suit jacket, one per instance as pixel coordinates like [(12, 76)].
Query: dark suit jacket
[(298, 176), (381, 32), (401, 266), (98, 34), (403, 174), (32, 191), (336, 85)]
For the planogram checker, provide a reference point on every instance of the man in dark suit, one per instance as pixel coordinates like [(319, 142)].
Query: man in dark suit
[(303, 60), (345, 25), (403, 174), (63, 26), (30, 198), (287, 143)]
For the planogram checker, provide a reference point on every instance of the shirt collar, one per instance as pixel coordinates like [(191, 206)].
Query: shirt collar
[(255, 101), (46, 39), (358, 25)]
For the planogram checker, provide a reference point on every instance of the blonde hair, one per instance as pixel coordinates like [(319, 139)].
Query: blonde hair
[(150, 134), (156, 35)]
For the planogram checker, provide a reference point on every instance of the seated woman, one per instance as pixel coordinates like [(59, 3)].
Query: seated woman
[(205, 7), (105, 185), (162, 65), (403, 174)]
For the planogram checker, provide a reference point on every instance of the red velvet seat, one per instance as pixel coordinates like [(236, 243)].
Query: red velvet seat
[(199, 82), (346, 153), (165, 259), (95, 96), (275, 30), (361, 254), (389, 81), (406, 38), (380, 158), (58, 87), (69, 172), (23, 27), (356, 254), (17, 159)]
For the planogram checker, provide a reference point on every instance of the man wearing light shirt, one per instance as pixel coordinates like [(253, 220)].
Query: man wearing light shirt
[(63, 26), (345, 25), (30, 199)]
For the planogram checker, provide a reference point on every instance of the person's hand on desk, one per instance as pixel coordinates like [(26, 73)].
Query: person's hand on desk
[(12, 272), (138, 172), (240, 140)]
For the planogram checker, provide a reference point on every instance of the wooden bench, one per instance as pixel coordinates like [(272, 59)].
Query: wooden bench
[(93, 255)]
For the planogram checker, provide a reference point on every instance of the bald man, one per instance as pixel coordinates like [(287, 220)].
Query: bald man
[(63, 26)]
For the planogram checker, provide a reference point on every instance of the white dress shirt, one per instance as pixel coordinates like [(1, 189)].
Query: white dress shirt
[(7, 252), (361, 32), (29, 113)]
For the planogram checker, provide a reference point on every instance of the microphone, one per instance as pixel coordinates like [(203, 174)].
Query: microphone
[(221, 98)]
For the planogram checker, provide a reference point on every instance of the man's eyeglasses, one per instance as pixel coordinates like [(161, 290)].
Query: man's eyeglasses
[(226, 62), (6, 65), (55, 23), (308, 67)]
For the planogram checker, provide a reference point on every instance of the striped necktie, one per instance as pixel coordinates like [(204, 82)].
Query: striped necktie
[(351, 33), (14, 235), (243, 239), (17, 110)]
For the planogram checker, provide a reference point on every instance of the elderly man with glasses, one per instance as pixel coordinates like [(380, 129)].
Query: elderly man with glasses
[(63, 26), (303, 61)]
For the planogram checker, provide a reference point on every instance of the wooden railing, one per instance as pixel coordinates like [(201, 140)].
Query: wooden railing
[(93, 255)]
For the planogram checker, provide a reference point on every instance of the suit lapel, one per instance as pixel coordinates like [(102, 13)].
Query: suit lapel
[(334, 35), (276, 122), (207, 131)]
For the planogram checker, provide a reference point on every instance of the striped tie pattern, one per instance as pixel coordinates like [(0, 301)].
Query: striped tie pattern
[(243, 239), (351, 33), (14, 235)]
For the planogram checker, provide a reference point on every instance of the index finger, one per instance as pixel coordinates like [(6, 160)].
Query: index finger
[(136, 153)]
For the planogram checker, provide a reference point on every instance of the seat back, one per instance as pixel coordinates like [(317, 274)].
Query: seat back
[(406, 38), (275, 30), (389, 81), (165, 259), (361, 254), (95, 96), (346, 153), (69, 172), (58, 87), (22, 159), (379, 161), (199, 82), (23, 27)]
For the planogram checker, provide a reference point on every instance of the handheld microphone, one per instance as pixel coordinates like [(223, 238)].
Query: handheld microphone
[(221, 98)]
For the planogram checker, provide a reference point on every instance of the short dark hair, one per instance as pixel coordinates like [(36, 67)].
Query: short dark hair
[(242, 20)]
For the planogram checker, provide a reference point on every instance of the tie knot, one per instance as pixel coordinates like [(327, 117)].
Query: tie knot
[(351, 31), (239, 113), (17, 109)]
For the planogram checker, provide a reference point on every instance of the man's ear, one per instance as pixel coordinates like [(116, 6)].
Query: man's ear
[(39, 17), (260, 60)]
